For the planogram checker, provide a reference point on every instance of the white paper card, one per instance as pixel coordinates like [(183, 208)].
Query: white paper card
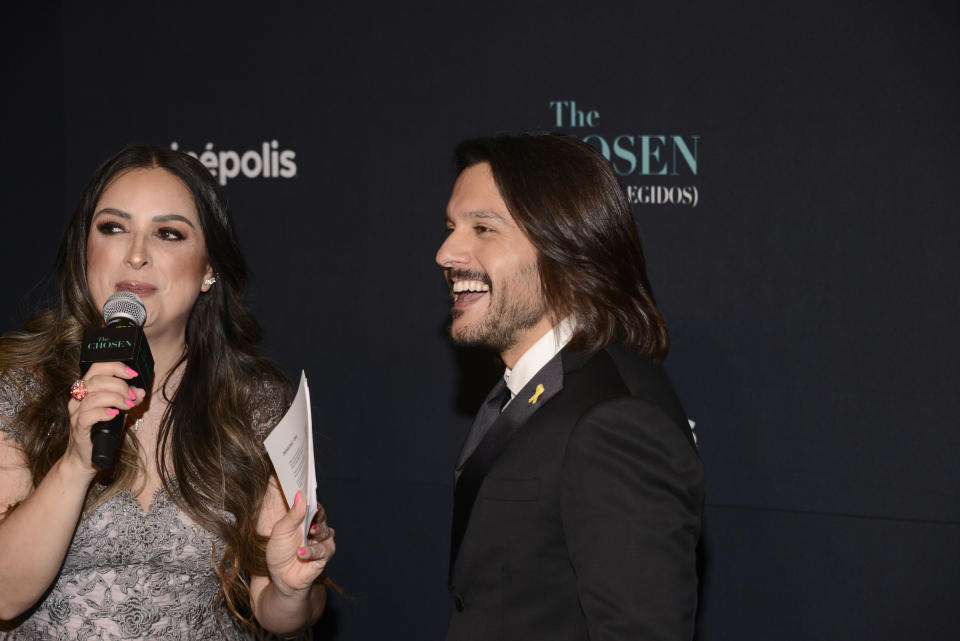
[(290, 446)]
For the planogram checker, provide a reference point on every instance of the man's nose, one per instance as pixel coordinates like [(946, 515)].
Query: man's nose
[(454, 251)]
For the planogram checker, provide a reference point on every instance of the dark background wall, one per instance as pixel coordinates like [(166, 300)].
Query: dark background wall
[(812, 290)]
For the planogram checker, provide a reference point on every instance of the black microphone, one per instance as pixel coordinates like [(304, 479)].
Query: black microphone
[(121, 340)]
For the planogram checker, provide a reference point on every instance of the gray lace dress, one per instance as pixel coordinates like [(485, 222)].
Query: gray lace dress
[(130, 574)]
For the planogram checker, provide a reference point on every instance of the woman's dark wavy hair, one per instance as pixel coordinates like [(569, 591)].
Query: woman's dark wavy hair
[(572, 207), (220, 468)]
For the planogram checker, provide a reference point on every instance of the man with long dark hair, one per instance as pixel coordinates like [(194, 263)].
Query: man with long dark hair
[(578, 493)]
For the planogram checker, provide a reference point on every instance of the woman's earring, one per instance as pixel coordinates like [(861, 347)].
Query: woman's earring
[(210, 281)]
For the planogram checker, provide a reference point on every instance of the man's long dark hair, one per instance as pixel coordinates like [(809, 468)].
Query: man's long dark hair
[(572, 207), (228, 391)]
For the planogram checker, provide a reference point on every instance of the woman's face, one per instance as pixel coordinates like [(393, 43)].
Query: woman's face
[(145, 238)]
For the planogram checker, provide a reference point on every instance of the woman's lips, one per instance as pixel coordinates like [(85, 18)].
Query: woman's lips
[(140, 289)]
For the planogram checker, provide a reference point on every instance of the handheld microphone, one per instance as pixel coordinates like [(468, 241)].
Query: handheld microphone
[(121, 340)]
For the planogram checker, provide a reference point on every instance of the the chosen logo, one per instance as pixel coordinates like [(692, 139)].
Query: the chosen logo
[(639, 158), (269, 161), (103, 342)]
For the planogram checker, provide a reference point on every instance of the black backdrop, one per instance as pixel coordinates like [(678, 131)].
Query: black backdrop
[(811, 289)]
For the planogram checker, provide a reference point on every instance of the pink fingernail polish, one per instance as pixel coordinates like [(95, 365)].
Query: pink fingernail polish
[(132, 394), (129, 402), (296, 498), (112, 411), (132, 372), (313, 528), (301, 551)]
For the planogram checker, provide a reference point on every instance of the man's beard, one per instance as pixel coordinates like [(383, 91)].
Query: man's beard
[(515, 305)]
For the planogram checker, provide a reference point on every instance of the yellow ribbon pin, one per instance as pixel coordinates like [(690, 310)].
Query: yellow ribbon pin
[(536, 395)]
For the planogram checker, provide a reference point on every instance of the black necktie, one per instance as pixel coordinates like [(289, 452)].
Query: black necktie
[(482, 447), (487, 415), (490, 436)]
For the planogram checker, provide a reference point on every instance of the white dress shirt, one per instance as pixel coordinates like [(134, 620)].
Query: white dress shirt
[(539, 354)]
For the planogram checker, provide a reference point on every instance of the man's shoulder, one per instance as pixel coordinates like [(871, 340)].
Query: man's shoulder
[(617, 371), (640, 374), (615, 362)]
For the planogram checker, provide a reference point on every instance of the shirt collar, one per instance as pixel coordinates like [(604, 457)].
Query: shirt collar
[(539, 354)]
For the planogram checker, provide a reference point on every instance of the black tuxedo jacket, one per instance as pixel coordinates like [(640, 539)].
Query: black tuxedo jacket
[(586, 524)]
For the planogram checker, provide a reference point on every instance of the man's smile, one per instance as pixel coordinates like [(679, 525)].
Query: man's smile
[(467, 291), (467, 286)]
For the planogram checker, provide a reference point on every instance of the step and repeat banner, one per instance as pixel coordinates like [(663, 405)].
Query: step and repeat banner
[(792, 169)]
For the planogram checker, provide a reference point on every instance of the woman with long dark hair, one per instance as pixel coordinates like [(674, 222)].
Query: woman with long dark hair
[(187, 536)]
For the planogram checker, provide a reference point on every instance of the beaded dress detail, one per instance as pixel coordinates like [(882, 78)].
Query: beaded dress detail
[(129, 574)]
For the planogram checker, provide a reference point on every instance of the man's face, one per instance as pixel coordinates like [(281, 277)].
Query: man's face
[(491, 268)]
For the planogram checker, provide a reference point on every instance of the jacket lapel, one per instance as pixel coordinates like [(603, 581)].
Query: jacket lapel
[(544, 385)]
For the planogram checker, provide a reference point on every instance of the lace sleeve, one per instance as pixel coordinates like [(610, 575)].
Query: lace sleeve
[(14, 386), (270, 403)]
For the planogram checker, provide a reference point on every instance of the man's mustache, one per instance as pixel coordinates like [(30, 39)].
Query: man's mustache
[(464, 274)]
